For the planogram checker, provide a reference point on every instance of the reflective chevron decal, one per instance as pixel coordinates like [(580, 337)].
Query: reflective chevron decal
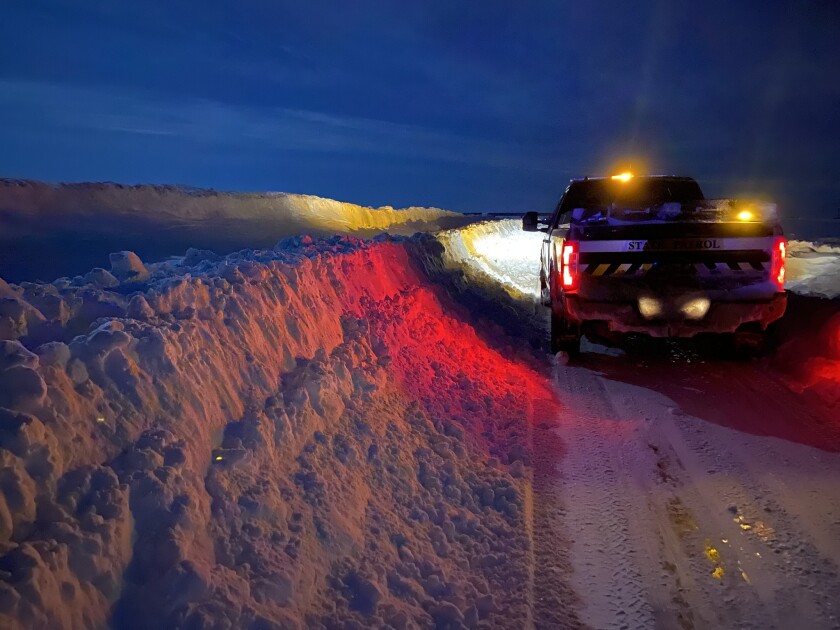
[(713, 257), (701, 269)]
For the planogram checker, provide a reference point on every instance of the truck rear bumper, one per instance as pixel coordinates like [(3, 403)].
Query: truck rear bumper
[(721, 317)]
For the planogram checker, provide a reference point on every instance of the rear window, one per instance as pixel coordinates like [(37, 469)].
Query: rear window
[(640, 192)]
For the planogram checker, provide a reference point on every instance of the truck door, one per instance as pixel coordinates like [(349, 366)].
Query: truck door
[(557, 234), (546, 255)]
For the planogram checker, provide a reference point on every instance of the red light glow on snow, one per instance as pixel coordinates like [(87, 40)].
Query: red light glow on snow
[(455, 373)]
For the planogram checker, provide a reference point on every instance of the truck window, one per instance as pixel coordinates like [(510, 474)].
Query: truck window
[(641, 192), (565, 218), (562, 215)]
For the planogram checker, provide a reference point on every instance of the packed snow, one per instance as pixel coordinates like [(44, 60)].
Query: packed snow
[(264, 438), (335, 432), (51, 230), (174, 205), (813, 269), (497, 252)]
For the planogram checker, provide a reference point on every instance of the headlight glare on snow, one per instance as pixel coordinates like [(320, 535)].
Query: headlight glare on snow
[(649, 307), (695, 308)]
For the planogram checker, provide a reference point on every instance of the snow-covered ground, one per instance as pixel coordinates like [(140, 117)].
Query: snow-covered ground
[(333, 432), (497, 252), (814, 269)]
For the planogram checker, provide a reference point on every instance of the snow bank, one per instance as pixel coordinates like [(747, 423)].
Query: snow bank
[(48, 230), (308, 436), (181, 205), (813, 269), (497, 253)]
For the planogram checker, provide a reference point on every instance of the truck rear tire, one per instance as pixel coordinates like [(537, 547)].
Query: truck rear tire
[(565, 337), (545, 293), (750, 345)]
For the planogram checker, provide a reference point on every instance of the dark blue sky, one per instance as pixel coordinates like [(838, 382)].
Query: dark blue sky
[(466, 105)]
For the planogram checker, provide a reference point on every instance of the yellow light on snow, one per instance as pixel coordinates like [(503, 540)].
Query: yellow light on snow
[(713, 556), (623, 177), (650, 307), (219, 458), (696, 308), (745, 215)]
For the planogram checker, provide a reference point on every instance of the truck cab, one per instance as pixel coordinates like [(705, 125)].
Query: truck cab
[(650, 255)]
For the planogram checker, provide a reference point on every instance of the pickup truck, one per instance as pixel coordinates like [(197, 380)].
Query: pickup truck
[(627, 256)]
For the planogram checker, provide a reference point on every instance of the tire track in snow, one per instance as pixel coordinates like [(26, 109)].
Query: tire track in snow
[(552, 600), (713, 496), (701, 578), (596, 513), (741, 497)]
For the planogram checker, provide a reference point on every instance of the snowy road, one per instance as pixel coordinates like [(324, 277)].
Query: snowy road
[(696, 494)]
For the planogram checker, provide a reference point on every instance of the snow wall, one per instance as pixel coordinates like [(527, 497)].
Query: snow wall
[(497, 253), (813, 269), (51, 230), (314, 435)]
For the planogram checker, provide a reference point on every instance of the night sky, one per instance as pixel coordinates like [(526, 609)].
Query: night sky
[(465, 105)]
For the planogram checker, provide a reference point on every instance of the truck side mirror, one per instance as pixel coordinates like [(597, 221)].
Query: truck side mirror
[(530, 222)]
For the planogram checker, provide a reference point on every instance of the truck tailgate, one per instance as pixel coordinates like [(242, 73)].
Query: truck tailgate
[(725, 268)]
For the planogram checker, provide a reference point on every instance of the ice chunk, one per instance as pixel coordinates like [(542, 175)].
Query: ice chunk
[(446, 615), (365, 593), (102, 278), (54, 353), (18, 317), (5, 289), (107, 337), (128, 267), (195, 256), (21, 388), (138, 308), (17, 499), (12, 354)]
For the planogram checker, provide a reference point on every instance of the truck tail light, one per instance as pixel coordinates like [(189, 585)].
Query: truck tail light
[(569, 266), (777, 267)]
